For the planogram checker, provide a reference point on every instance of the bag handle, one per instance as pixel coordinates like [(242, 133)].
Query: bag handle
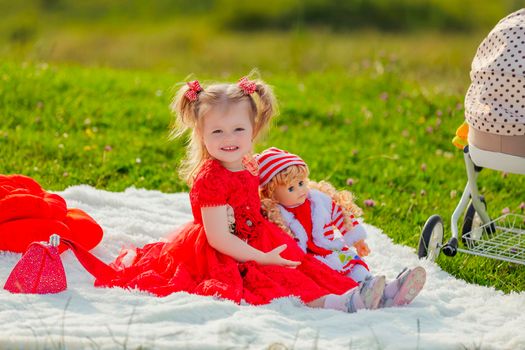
[(96, 267)]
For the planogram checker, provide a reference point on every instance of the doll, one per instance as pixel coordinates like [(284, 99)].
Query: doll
[(321, 219)]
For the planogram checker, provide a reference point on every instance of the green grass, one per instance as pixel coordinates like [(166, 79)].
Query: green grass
[(380, 109), (68, 125)]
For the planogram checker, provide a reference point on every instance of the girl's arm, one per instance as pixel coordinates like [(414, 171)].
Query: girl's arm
[(215, 221)]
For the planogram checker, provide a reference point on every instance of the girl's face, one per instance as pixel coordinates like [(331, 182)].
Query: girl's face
[(227, 133), (292, 194)]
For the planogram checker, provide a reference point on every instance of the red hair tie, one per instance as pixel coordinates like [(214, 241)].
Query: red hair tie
[(194, 89), (247, 86)]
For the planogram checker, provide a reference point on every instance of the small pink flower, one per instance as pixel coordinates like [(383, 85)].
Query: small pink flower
[(350, 181), (108, 148), (355, 152), (370, 203), (424, 167), (65, 174), (505, 210), (439, 113), (429, 130), (522, 206), (384, 96)]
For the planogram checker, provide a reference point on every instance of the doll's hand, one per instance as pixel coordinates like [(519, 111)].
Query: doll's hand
[(362, 248), (274, 257)]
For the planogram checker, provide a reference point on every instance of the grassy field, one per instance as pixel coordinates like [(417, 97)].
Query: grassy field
[(79, 108)]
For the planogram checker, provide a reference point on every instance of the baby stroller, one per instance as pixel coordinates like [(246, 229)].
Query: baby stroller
[(495, 113)]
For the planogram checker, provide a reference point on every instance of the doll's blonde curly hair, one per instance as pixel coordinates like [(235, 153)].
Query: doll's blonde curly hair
[(343, 198)]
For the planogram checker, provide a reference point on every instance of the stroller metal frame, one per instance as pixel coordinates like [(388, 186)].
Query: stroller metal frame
[(501, 239)]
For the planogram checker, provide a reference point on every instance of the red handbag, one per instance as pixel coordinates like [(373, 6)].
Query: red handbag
[(40, 271)]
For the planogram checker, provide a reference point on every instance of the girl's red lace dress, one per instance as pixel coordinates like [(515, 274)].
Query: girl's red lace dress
[(190, 264)]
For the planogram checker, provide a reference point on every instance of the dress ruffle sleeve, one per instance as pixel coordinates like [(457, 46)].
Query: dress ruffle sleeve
[(210, 188)]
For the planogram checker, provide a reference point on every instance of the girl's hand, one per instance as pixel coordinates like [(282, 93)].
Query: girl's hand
[(362, 248), (274, 257)]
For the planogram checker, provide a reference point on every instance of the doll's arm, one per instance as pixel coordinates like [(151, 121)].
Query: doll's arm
[(354, 234), (327, 240), (215, 221)]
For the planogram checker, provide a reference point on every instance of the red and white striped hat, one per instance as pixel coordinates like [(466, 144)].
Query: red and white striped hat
[(274, 160)]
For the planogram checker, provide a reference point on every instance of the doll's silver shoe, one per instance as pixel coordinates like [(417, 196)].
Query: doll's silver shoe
[(367, 295)]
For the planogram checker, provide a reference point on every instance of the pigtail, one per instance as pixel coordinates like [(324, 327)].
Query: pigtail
[(262, 99), (185, 107), (344, 199), (267, 106), (184, 111)]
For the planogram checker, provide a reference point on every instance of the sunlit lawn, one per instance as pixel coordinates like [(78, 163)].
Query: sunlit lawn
[(380, 110)]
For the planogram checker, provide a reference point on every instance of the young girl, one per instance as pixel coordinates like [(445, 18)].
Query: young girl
[(230, 250), (312, 216)]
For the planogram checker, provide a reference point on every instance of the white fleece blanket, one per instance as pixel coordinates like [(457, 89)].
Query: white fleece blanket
[(448, 314)]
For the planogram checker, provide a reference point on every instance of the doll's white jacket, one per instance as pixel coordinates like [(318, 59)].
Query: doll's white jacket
[(327, 217)]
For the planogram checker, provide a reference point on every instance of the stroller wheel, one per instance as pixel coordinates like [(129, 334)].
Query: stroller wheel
[(431, 239), (473, 228)]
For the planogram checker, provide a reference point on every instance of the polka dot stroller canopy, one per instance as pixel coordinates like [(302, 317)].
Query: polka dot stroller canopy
[(495, 101)]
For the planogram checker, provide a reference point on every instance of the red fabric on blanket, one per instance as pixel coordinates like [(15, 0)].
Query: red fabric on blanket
[(28, 213)]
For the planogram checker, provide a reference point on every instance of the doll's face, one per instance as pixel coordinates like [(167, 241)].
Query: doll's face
[(227, 134), (292, 194)]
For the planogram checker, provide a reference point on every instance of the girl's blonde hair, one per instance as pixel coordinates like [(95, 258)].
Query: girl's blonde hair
[(344, 199), (189, 115)]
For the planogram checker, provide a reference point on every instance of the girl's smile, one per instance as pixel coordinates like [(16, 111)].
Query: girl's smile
[(230, 148)]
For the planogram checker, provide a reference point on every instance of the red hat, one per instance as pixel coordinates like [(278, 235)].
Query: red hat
[(272, 161)]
